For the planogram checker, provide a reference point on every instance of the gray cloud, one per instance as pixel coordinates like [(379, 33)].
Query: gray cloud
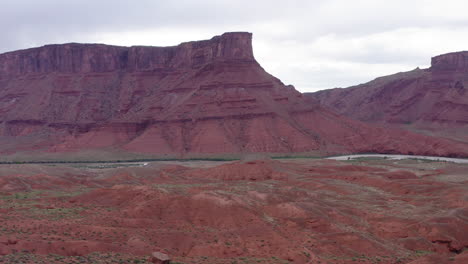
[(311, 44)]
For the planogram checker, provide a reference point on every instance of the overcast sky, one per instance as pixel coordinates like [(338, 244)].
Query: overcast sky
[(312, 44)]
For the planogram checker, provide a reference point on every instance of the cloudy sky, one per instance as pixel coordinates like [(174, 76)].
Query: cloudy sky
[(312, 44)]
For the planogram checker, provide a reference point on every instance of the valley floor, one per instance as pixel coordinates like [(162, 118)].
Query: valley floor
[(366, 210)]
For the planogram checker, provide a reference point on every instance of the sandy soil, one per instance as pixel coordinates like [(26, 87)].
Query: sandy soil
[(256, 211)]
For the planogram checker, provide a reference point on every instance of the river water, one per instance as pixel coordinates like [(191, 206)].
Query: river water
[(398, 157)]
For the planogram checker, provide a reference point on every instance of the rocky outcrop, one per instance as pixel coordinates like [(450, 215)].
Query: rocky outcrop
[(203, 97), (98, 58), (433, 100), (452, 62), (160, 258)]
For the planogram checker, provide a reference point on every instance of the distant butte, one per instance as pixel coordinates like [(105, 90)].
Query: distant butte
[(433, 101), (207, 97)]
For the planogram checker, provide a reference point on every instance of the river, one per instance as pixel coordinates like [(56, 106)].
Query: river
[(398, 157)]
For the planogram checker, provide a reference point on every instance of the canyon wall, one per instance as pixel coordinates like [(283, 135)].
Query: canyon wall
[(201, 97)]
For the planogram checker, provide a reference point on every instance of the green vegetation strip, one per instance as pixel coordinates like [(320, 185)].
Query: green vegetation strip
[(115, 161)]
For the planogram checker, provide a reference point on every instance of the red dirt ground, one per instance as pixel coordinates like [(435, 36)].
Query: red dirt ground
[(264, 211)]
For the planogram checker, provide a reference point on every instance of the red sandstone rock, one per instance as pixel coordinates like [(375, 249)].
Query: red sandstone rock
[(450, 62), (160, 258), (204, 97), (434, 99)]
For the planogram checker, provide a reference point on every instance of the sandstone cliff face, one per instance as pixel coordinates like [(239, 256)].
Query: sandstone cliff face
[(435, 99), (98, 58), (451, 62), (202, 97)]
